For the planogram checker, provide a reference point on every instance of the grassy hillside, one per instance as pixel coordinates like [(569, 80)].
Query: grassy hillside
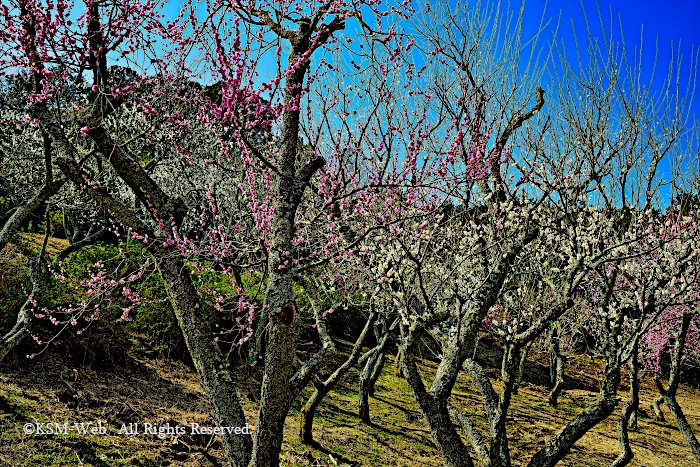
[(48, 389)]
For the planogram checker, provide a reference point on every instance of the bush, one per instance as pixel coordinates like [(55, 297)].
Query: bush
[(100, 331)]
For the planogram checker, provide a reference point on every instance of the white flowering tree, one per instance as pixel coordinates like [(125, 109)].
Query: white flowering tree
[(553, 223)]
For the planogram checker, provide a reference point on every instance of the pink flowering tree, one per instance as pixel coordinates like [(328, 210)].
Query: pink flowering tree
[(275, 136), (672, 331), (63, 43)]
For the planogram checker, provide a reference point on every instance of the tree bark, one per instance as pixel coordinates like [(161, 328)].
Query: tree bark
[(207, 357), (521, 367), (376, 372), (25, 316), (323, 388), (366, 386), (556, 448), (276, 392), (668, 394), (500, 452), (475, 438), (626, 453), (24, 212), (658, 411), (556, 367), (435, 412)]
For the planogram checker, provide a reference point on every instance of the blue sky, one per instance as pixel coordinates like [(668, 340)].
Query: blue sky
[(670, 21)]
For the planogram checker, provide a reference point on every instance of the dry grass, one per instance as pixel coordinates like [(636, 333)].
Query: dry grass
[(159, 392), (33, 242)]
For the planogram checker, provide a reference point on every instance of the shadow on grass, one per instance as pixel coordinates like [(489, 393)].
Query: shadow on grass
[(319, 447)]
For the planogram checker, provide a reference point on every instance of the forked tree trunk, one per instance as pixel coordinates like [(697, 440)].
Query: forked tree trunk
[(366, 376), (668, 394), (280, 343), (499, 453), (307, 413), (435, 411)]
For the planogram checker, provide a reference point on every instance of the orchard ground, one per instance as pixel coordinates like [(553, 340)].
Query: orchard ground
[(150, 390)]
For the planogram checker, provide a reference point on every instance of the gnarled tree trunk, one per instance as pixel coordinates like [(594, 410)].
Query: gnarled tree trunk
[(308, 411), (668, 394), (369, 375), (557, 447), (626, 453)]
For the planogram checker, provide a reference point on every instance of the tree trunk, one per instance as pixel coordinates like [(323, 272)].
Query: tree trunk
[(207, 357), (683, 425), (366, 376), (628, 410), (24, 212), (376, 373), (658, 411), (363, 396), (500, 453), (398, 365), (276, 393), (24, 318), (668, 395), (280, 343), (436, 413), (306, 421), (11, 226), (557, 447), (322, 389), (521, 367), (556, 367), (256, 349), (635, 412)]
